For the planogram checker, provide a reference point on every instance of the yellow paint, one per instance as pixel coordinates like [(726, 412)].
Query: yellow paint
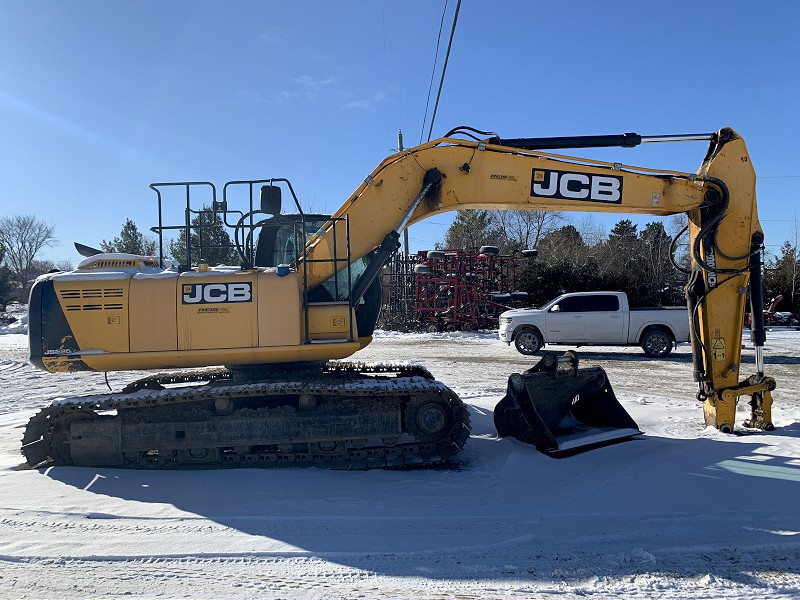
[(154, 325), (329, 321), (202, 358), (96, 310), (279, 309)]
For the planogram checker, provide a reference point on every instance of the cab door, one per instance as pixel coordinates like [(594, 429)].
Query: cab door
[(565, 321), (604, 320)]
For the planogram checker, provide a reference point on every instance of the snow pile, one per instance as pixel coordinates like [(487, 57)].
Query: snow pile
[(15, 319)]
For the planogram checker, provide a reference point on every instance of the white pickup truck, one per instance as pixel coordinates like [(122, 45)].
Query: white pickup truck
[(595, 319)]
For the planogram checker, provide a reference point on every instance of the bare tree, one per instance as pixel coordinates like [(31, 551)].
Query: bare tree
[(524, 228), (23, 237), (38, 267), (795, 263), (591, 230)]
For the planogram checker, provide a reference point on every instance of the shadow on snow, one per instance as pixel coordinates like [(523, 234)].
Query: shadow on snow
[(503, 510)]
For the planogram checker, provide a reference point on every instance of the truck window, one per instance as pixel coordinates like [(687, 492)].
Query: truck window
[(572, 304), (603, 303)]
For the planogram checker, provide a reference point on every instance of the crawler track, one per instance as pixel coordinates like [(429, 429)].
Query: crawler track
[(342, 416)]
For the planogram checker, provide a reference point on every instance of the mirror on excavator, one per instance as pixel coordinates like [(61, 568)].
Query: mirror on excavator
[(281, 237), (562, 409)]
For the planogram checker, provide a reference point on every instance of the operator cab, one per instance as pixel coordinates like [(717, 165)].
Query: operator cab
[(259, 235), (282, 237)]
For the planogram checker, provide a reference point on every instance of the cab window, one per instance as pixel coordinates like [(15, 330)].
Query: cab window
[(601, 303), (572, 304)]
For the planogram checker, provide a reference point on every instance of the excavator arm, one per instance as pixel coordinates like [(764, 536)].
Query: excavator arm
[(725, 238)]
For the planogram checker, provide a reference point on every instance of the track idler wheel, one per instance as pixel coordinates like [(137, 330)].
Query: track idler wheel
[(428, 418)]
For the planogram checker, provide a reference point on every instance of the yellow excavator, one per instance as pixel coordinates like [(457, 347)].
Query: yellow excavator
[(306, 295)]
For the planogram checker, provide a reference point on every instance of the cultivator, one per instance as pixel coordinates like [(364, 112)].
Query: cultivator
[(451, 290)]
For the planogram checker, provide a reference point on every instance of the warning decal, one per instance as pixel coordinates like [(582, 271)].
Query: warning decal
[(718, 349)]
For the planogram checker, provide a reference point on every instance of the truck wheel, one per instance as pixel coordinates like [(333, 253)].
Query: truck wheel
[(528, 341), (657, 343)]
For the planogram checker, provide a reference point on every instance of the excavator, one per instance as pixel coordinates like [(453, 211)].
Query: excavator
[(306, 296)]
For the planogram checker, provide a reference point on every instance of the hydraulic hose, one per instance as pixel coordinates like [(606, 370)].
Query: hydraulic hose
[(758, 334)]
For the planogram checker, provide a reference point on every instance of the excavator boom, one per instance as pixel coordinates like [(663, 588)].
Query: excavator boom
[(725, 237)]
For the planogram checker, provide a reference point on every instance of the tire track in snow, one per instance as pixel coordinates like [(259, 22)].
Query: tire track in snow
[(13, 366), (444, 576)]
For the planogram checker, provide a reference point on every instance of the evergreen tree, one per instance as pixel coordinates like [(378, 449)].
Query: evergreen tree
[(7, 285), (130, 241), (621, 262), (635, 263), (565, 264), (663, 283), (471, 230), (782, 277), (565, 246), (216, 248), (622, 245)]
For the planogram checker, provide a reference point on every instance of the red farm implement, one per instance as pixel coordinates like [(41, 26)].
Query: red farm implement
[(451, 290)]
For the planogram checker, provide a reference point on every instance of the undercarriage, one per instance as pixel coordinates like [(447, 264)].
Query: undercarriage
[(340, 415)]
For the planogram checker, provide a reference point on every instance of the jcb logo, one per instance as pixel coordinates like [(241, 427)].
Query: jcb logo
[(208, 293), (576, 186)]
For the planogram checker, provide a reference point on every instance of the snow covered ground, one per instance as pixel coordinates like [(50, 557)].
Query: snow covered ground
[(682, 512)]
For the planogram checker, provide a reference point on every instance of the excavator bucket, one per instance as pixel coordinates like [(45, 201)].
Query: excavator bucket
[(562, 409)]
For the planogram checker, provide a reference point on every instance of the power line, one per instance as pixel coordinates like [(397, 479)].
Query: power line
[(433, 71), (444, 67), (423, 64)]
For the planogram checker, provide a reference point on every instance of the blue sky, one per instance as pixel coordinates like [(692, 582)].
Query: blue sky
[(98, 99)]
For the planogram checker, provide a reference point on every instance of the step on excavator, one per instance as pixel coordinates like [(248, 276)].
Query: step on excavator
[(306, 295)]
